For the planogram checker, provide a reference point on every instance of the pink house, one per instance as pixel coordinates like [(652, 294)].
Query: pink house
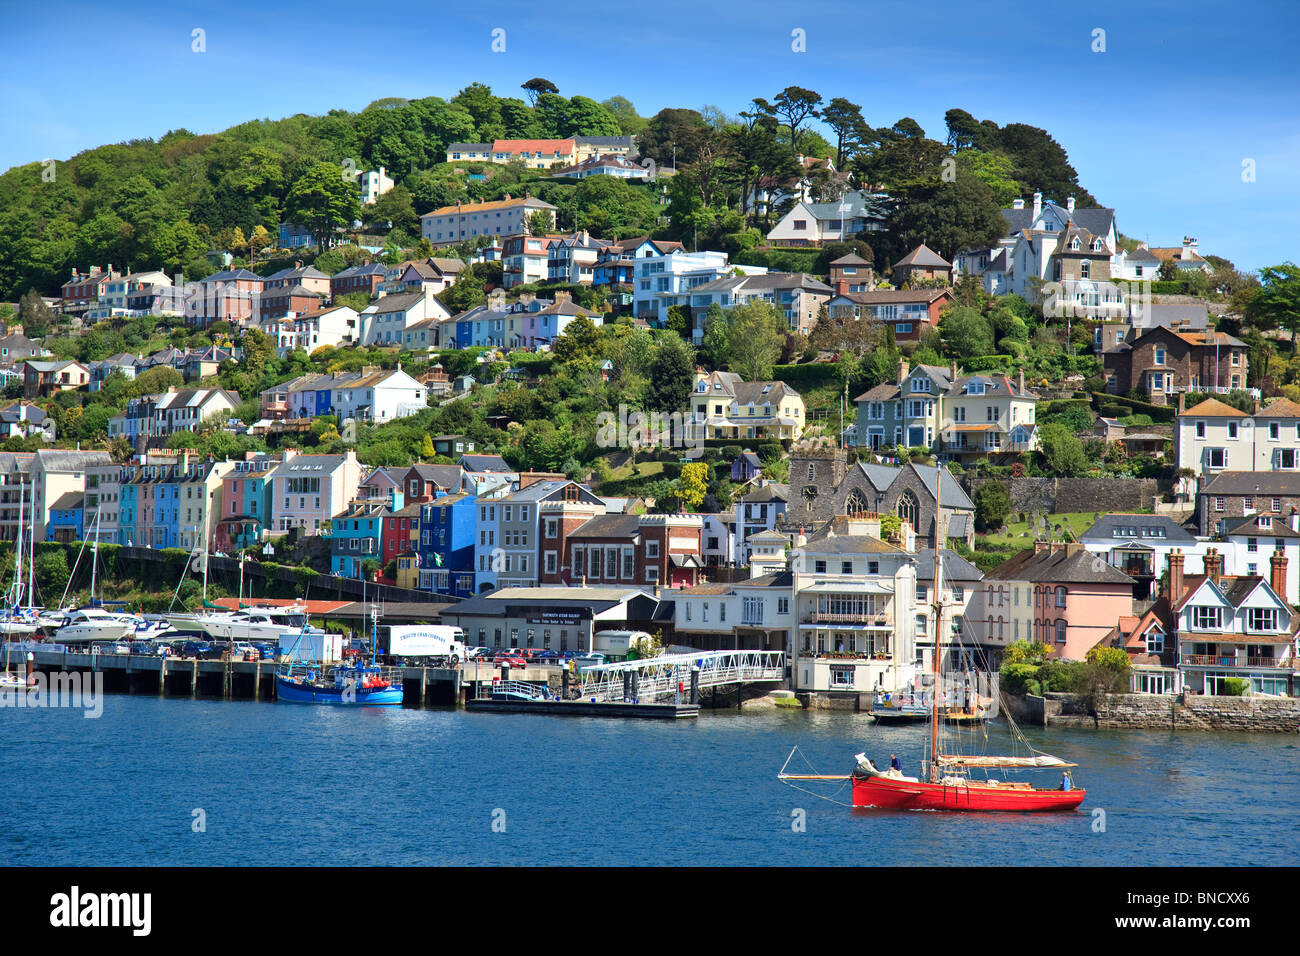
[(1076, 599), (230, 295), (309, 490)]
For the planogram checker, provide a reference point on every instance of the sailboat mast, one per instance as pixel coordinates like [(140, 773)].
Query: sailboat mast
[(18, 550), (938, 623), (31, 558)]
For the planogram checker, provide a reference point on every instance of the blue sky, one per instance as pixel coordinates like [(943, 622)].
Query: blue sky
[(1158, 125)]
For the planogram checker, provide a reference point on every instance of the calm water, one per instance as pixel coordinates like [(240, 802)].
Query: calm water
[(295, 784)]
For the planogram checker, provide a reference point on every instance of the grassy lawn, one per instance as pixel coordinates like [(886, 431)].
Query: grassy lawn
[(1019, 535), (646, 469)]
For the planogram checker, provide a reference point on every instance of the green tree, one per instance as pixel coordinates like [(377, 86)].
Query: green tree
[(966, 333), (323, 198), (581, 339), (1062, 451), (756, 331), (671, 374), (992, 505), (537, 86), (1276, 304)]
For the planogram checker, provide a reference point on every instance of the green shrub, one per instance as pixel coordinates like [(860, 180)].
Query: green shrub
[(1235, 686)]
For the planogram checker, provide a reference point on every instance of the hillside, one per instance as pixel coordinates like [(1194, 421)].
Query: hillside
[(167, 203)]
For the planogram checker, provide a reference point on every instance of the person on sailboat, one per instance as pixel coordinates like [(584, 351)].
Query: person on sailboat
[(895, 764), (1066, 782)]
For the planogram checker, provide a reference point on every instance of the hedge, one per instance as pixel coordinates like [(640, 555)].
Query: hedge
[(811, 372), (1158, 413)]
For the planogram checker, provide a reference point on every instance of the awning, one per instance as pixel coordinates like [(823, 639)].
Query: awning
[(848, 587)]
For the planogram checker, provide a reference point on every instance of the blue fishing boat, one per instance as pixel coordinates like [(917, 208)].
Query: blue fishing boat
[(363, 685), (349, 684)]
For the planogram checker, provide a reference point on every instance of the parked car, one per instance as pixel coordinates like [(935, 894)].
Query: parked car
[(479, 653), (195, 649), (140, 647), (269, 652), (510, 658), (242, 651)]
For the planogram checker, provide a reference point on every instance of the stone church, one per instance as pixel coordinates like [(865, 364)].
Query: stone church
[(822, 485)]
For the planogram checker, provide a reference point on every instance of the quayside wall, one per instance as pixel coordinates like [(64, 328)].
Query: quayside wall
[(1151, 712)]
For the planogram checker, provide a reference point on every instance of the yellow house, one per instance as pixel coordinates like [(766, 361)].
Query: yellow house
[(724, 406)]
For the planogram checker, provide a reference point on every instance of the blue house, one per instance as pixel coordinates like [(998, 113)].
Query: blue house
[(447, 529), (293, 236), (66, 518), (355, 538)]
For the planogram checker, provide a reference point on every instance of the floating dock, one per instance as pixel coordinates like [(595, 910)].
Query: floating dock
[(585, 708)]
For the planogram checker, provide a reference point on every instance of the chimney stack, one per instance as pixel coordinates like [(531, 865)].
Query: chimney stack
[(1038, 205), (1277, 579), (1017, 204), (1213, 565), (1069, 204), (952, 370), (902, 370), (1176, 559), (842, 287), (1020, 380), (1293, 520), (1182, 402)]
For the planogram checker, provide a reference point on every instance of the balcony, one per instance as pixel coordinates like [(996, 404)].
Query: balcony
[(1227, 660), (851, 619)]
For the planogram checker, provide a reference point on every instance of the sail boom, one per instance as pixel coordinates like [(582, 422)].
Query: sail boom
[(1044, 761)]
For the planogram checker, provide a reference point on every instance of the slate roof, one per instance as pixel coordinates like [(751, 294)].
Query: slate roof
[(1060, 565), (955, 567), (608, 526), (1103, 529), (483, 463), (1253, 483), (923, 255), (1277, 527), (1097, 220)]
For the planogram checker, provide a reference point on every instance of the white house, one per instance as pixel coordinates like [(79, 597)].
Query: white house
[(374, 184), (1250, 543), (386, 319), (816, 223), (378, 396), (331, 327), (663, 280)]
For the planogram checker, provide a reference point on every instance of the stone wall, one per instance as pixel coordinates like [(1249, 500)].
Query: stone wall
[(1051, 495), (1150, 712)]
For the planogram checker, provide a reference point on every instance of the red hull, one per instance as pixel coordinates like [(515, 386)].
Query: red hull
[(905, 795)]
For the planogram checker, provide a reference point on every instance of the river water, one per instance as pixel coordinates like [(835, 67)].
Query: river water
[(185, 782)]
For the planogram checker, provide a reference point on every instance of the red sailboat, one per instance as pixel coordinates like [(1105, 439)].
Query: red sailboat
[(948, 784)]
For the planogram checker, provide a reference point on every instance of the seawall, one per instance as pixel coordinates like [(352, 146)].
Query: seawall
[(1268, 715)]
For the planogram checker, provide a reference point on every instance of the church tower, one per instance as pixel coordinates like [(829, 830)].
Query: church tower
[(817, 467)]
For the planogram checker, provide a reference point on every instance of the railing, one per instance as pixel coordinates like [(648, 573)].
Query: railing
[(825, 617), (519, 687), (662, 676)]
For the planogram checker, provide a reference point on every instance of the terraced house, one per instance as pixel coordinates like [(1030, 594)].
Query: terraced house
[(308, 490), (154, 417)]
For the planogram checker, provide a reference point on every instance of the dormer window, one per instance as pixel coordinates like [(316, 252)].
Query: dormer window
[(1075, 244)]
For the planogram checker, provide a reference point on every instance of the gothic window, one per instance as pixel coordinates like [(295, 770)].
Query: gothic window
[(856, 504), (812, 474), (907, 508)]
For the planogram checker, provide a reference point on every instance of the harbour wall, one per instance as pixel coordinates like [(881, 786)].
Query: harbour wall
[(1151, 712)]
